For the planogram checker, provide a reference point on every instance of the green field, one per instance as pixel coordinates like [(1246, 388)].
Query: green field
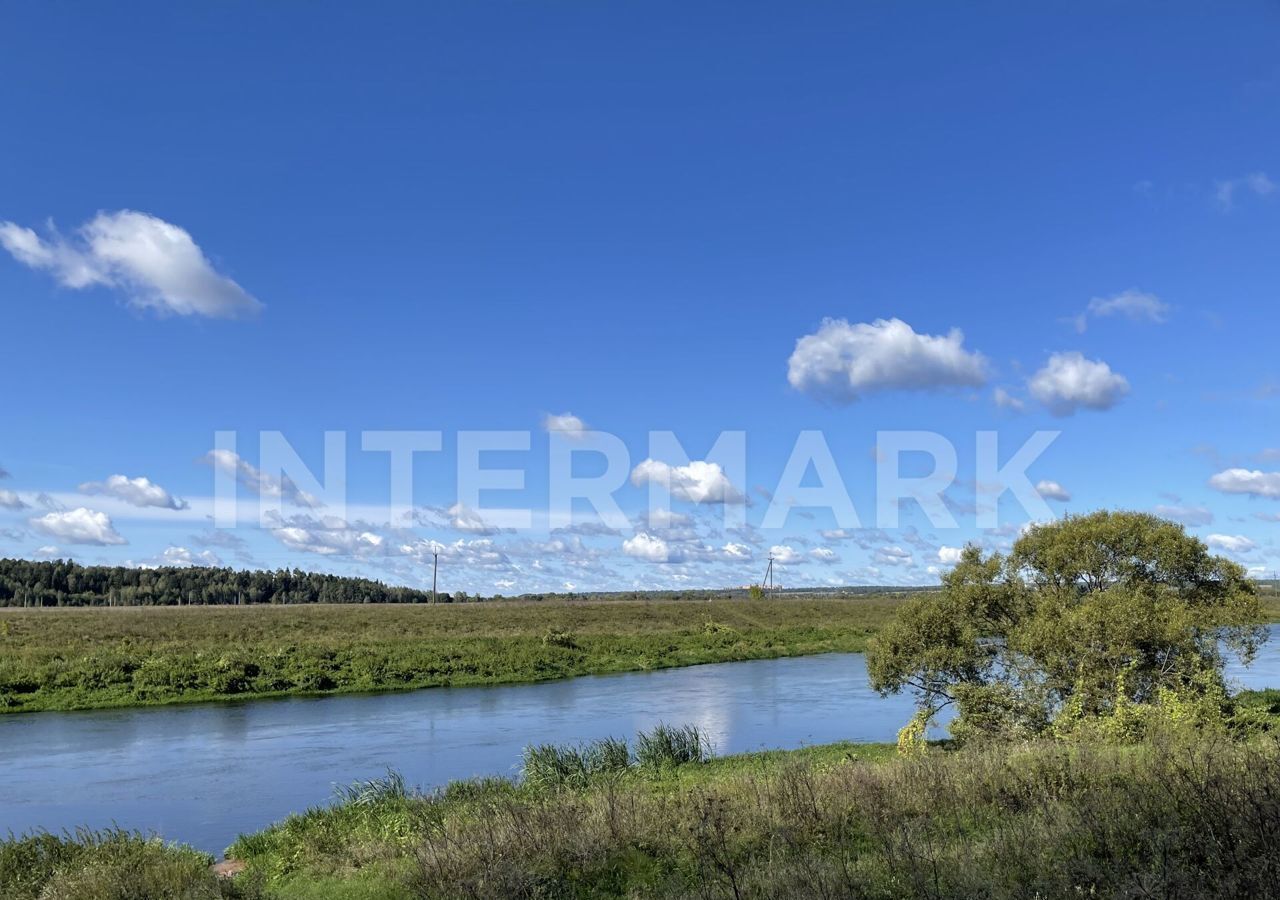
[(85, 658)]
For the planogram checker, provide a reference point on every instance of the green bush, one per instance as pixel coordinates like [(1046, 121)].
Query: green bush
[(555, 637), (108, 865)]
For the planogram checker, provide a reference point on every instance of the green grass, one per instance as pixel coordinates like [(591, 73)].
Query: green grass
[(109, 865), (1176, 819), (366, 843), (58, 659), (1185, 817)]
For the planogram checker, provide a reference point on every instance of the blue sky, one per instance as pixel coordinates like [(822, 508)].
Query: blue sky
[(308, 217)]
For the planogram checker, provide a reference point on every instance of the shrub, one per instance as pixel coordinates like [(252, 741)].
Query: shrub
[(108, 865), (555, 637)]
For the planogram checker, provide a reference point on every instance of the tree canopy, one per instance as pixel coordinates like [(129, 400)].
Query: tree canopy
[(65, 583), (1085, 618)]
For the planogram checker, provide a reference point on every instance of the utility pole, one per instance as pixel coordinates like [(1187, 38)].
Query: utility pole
[(768, 577), (435, 568)]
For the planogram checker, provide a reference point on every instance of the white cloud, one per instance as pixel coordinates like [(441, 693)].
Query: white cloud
[(1256, 183), (566, 424), (258, 482), (825, 555), (736, 551), (784, 555), (1135, 305), (79, 526), (477, 553), (342, 541), (139, 491), (589, 528), (698, 482), (10, 500), (464, 518), (894, 556), (1069, 382), (1247, 481), (1005, 400), (841, 362), (950, 555), (1187, 515), (665, 520), (1051, 490), (1232, 543), (181, 556), (155, 263), (647, 547)]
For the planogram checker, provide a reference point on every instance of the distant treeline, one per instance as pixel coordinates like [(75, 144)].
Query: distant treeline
[(64, 583)]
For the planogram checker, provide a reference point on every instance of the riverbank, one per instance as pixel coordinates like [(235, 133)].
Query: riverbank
[(67, 659), (1184, 817)]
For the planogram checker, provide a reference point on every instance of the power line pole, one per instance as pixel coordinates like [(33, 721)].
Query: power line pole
[(768, 576), (435, 568)]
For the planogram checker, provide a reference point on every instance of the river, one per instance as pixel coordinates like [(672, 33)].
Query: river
[(203, 773)]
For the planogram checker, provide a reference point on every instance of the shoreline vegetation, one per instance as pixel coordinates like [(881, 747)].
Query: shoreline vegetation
[(93, 658), (1181, 815), (78, 658)]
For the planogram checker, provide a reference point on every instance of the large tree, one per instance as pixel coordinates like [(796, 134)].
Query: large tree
[(1085, 616)]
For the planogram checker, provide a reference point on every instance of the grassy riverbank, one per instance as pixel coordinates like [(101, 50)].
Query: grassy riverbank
[(1174, 819), (53, 659)]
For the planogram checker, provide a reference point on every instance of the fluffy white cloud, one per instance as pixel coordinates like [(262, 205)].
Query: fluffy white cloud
[(566, 424), (1069, 382), (155, 263), (736, 551), (841, 362), (698, 482), (894, 556), (10, 500), (1247, 481), (785, 555), (476, 553), (464, 518), (1134, 305), (258, 482), (1257, 183), (1232, 543), (135, 491), (1005, 400), (181, 556), (79, 526), (1187, 515), (825, 555), (647, 547), (344, 541), (665, 520), (1051, 490), (950, 555)]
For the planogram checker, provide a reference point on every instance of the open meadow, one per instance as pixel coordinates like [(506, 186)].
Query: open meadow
[(91, 658)]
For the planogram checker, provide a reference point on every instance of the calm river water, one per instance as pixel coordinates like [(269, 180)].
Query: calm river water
[(202, 774)]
